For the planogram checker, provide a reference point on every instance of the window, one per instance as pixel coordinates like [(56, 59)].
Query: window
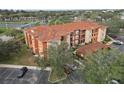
[(82, 35), (77, 32), (82, 41), (71, 44), (76, 41), (83, 31), (71, 34), (77, 36), (71, 39), (62, 38)]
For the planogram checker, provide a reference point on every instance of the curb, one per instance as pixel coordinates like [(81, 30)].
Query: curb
[(56, 80), (19, 66)]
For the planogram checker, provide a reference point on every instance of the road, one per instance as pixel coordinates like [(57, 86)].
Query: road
[(17, 26), (12, 25), (120, 37), (72, 78)]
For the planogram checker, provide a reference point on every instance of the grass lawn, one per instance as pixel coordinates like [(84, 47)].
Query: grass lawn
[(121, 33), (107, 39), (54, 77), (25, 57)]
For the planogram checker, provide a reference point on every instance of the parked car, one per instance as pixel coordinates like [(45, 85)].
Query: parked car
[(114, 81), (69, 68), (117, 42), (23, 71), (114, 36)]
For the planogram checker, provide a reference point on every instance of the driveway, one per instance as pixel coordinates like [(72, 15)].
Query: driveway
[(120, 37), (119, 47), (9, 76), (73, 78)]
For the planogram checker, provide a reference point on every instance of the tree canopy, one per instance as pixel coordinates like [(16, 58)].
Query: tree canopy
[(57, 57), (103, 66)]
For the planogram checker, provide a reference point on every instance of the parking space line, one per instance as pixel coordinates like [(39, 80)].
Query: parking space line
[(2, 70), (9, 74), (3, 73)]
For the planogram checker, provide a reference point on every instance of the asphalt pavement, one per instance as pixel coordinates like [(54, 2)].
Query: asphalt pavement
[(118, 47), (32, 76)]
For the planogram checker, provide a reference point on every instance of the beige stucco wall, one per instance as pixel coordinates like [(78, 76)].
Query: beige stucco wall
[(101, 34), (25, 37), (34, 47), (68, 40), (88, 35), (33, 43), (40, 47)]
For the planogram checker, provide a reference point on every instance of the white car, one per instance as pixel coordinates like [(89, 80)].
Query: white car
[(114, 82), (118, 42)]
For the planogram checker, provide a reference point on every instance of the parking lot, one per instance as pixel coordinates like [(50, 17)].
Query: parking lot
[(9, 76), (118, 47), (121, 38)]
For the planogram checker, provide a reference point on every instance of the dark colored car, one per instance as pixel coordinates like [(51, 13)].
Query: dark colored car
[(69, 68), (23, 71), (113, 36)]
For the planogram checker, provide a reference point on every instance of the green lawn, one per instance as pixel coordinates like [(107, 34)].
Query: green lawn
[(55, 77), (5, 31), (121, 33)]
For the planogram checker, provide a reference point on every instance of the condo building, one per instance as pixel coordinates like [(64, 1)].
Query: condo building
[(82, 33)]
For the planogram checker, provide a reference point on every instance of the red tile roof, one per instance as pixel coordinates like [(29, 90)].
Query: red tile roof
[(51, 32), (90, 48)]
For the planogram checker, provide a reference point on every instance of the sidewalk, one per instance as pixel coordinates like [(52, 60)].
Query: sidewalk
[(19, 66)]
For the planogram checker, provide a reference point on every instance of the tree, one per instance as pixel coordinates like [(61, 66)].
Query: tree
[(11, 47), (57, 57), (103, 66), (8, 49), (115, 25)]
